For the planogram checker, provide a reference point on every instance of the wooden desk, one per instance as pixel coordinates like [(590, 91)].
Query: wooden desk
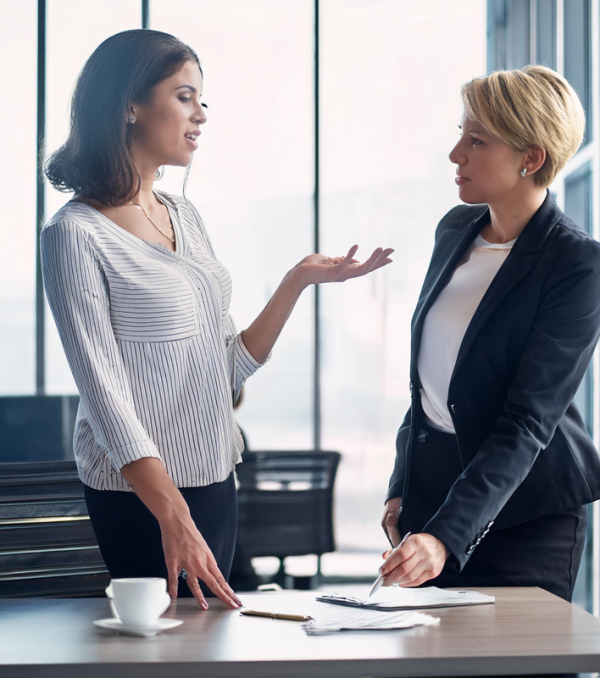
[(527, 631)]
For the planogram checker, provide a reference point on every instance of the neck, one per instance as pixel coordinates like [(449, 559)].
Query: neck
[(508, 217), (147, 169)]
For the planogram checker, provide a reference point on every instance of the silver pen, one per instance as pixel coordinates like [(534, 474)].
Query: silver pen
[(379, 580)]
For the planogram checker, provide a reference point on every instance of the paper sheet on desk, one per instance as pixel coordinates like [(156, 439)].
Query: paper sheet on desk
[(397, 598), (382, 621)]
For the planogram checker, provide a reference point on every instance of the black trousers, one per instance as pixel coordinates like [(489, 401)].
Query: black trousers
[(130, 539), (544, 552)]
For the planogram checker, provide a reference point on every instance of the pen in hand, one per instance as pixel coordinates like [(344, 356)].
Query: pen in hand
[(379, 580)]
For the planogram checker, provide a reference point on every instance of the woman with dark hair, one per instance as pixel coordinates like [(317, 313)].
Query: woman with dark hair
[(142, 308)]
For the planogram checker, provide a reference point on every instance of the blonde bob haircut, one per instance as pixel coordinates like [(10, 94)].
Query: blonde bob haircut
[(530, 106)]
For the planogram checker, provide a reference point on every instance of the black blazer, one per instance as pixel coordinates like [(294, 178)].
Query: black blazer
[(524, 447)]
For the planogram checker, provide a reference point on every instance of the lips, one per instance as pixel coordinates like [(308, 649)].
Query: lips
[(460, 180), (191, 137)]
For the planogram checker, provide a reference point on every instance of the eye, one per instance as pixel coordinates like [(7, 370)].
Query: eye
[(186, 100), (476, 142)]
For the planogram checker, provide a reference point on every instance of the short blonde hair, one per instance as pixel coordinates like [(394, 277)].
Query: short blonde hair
[(532, 105)]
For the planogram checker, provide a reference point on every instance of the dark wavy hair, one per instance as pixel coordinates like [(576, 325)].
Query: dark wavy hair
[(95, 161)]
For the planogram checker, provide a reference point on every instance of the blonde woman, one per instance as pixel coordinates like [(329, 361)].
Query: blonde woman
[(141, 304), (494, 464)]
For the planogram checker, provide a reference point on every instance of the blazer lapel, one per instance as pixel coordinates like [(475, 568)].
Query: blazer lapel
[(451, 252), (522, 258)]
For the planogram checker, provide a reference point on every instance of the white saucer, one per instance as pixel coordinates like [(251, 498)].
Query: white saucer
[(117, 625)]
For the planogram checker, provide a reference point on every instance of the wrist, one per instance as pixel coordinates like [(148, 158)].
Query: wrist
[(295, 280), (174, 517)]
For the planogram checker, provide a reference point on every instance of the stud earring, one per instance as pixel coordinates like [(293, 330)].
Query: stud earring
[(132, 119), (524, 172)]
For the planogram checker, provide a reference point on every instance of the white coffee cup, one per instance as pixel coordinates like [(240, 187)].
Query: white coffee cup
[(139, 601)]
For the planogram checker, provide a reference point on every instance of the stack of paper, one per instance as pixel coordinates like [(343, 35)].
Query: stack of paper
[(384, 621), (398, 598)]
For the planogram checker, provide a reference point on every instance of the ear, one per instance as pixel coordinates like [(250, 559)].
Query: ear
[(534, 159)]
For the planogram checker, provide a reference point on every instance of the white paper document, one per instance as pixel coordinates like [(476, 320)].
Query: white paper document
[(397, 598), (373, 621)]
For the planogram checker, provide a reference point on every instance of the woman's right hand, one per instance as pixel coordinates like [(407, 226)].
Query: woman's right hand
[(389, 521), (185, 548)]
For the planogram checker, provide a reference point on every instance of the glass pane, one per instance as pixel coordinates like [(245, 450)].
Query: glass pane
[(386, 181), (252, 181), (578, 54), (519, 34), (74, 31), (578, 205), (18, 36), (508, 29), (497, 13), (546, 32)]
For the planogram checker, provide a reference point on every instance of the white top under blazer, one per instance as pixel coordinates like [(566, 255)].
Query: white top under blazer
[(153, 350), (447, 321)]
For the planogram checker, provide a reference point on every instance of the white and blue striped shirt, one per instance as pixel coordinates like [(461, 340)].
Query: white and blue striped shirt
[(153, 350)]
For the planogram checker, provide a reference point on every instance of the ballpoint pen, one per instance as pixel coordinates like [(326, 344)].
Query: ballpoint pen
[(276, 615), (379, 580)]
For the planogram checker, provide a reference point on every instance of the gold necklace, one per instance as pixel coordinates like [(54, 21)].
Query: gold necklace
[(155, 226)]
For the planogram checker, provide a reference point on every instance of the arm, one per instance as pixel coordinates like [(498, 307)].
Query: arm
[(261, 336), (78, 297), (183, 545), (558, 351)]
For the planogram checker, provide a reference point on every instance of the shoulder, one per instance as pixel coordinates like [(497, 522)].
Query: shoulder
[(567, 234), (72, 215), (72, 232), (572, 259), (458, 218)]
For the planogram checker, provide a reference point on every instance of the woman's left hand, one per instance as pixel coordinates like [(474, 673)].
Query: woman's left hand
[(317, 268), (419, 559)]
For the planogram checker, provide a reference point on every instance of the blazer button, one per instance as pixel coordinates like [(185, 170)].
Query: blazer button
[(411, 388), (457, 407)]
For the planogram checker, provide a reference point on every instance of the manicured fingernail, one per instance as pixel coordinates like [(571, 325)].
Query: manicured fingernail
[(204, 605)]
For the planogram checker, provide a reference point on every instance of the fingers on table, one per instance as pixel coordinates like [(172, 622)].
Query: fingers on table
[(217, 584), (173, 570)]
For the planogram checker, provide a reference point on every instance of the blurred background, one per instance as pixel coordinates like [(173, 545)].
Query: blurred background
[(329, 124)]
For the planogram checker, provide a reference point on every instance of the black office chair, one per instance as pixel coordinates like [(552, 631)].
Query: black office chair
[(47, 545), (286, 504)]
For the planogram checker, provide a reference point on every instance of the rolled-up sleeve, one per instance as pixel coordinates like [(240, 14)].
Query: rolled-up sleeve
[(77, 293), (239, 359)]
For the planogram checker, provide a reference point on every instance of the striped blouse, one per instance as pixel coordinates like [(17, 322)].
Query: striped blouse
[(148, 337)]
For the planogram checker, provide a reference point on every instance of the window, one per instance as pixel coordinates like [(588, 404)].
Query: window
[(546, 32), (18, 36), (577, 27), (388, 121), (253, 180)]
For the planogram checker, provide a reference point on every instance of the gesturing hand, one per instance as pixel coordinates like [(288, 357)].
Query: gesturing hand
[(185, 548), (317, 268), (421, 558)]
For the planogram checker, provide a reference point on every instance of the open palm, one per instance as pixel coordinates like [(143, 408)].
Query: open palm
[(318, 268)]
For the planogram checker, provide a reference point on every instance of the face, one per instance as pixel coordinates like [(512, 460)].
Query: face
[(166, 129), (487, 170)]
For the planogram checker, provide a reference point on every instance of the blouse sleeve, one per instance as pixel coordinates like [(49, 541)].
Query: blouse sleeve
[(241, 363), (77, 293)]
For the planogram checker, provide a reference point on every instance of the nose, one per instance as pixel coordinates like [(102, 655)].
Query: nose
[(456, 155), (200, 116)]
